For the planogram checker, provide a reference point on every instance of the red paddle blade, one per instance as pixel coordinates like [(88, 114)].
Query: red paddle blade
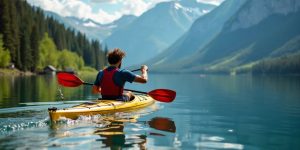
[(163, 95), (68, 80)]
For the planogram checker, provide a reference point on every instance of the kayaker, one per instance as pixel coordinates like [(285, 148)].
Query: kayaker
[(110, 81)]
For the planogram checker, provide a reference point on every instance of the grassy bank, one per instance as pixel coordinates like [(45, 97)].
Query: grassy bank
[(87, 71), (14, 72)]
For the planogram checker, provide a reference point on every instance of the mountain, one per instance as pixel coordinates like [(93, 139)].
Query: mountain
[(90, 28), (156, 29), (203, 30), (259, 30), (122, 22)]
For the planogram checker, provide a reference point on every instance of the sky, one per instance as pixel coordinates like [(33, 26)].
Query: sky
[(101, 11)]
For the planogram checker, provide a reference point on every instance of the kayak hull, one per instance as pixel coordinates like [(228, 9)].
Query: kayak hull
[(100, 107)]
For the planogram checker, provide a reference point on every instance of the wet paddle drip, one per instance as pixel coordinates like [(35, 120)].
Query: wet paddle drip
[(60, 94)]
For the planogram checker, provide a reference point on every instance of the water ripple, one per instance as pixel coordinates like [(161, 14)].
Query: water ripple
[(218, 145)]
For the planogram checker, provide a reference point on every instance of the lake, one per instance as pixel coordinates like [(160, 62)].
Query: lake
[(209, 112)]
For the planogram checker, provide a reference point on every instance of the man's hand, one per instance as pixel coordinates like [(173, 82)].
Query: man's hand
[(144, 68), (96, 89), (144, 77)]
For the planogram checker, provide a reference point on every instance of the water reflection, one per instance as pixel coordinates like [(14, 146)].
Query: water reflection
[(210, 112), (115, 131), (114, 136), (163, 124), (237, 112), (24, 89)]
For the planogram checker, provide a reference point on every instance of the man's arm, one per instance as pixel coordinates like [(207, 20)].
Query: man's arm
[(96, 87), (144, 77)]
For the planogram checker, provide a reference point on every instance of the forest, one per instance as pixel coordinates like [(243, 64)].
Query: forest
[(287, 64), (30, 41)]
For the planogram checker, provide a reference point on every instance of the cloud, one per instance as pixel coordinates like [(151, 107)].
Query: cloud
[(133, 7), (75, 8), (104, 17), (136, 7), (84, 10), (214, 2), (152, 3), (105, 1)]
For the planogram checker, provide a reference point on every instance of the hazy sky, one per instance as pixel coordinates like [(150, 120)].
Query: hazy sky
[(102, 11)]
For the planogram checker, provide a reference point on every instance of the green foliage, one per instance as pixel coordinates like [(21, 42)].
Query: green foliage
[(23, 28), (88, 72), (4, 55), (89, 69), (49, 55), (47, 52), (69, 59)]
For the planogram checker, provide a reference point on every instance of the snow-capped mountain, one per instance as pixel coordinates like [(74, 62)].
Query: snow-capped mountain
[(156, 29), (203, 30), (91, 28), (259, 30)]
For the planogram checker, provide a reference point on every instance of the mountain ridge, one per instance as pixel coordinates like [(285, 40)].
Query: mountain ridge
[(254, 43), (202, 30), (154, 30), (237, 47), (91, 28)]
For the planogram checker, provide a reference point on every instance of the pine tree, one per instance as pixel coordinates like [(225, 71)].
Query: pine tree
[(4, 55), (26, 51), (5, 27), (23, 27), (14, 24), (40, 21), (34, 43), (105, 55)]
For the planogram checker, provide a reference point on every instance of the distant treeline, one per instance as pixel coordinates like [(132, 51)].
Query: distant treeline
[(24, 27), (288, 64)]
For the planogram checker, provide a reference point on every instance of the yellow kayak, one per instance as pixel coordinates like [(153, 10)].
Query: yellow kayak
[(100, 107)]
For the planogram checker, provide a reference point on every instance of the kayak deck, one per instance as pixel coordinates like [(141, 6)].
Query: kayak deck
[(100, 107)]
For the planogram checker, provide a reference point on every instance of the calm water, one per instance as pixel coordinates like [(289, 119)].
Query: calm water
[(210, 112)]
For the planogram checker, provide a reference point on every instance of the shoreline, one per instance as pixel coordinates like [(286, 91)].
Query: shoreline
[(15, 72)]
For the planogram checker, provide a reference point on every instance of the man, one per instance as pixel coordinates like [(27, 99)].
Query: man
[(110, 81)]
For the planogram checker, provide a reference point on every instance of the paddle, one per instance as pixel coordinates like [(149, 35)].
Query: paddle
[(71, 80)]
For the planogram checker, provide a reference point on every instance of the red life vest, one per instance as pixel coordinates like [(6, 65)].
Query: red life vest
[(108, 86)]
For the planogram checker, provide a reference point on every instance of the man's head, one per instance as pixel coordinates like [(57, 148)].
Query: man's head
[(115, 56)]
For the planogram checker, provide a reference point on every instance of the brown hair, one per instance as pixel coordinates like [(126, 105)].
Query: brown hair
[(115, 56)]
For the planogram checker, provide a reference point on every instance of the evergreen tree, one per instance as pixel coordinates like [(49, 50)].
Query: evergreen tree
[(14, 27), (41, 23), (26, 52), (100, 62), (23, 27), (105, 55), (5, 27), (4, 55), (287, 64), (34, 38)]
